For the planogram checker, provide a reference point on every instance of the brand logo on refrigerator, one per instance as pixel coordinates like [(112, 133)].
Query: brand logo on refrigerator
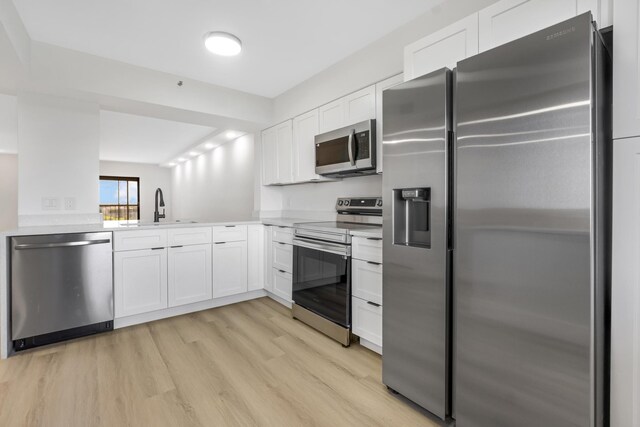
[(561, 33)]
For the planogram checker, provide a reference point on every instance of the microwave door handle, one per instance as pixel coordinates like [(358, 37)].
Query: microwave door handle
[(352, 159)]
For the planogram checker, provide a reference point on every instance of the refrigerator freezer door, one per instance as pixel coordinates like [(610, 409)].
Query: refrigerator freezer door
[(416, 127), (524, 241)]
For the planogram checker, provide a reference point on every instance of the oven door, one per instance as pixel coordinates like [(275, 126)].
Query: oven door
[(322, 279)]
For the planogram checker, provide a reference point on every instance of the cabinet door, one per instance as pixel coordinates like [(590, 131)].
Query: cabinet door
[(331, 116), (367, 280), (367, 320), (283, 257), (269, 157), (140, 281), (284, 143), (268, 259), (508, 20), (626, 69), (189, 274), (443, 48), (380, 87), (282, 284), (360, 105), (305, 128), (255, 257), (229, 268), (625, 288)]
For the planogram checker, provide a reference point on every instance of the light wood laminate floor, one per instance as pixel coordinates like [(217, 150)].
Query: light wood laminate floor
[(241, 365)]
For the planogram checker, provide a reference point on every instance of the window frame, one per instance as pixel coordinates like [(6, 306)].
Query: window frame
[(127, 205)]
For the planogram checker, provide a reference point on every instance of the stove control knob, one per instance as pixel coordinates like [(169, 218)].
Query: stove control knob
[(346, 203), (379, 203), (340, 202)]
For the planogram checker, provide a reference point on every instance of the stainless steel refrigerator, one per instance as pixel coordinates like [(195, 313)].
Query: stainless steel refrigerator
[(532, 231), (417, 135), (505, 323)]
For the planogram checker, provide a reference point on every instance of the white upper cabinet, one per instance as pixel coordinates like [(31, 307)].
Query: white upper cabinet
[(380, 87), (360, 106), (443, 48), (509, 20), (305, 128), (269, 156), (353, 108), (277, 154), (626, 69), (284, 141)]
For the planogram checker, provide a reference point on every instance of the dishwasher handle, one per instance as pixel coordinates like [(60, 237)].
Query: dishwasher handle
[(61, 244)]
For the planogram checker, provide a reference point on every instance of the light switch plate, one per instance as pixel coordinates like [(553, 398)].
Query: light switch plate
[(70, 203), (50, 203)]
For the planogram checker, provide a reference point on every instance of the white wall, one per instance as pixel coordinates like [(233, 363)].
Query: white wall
[(217, 185), (58, 142), (151, 177), (8, 191)]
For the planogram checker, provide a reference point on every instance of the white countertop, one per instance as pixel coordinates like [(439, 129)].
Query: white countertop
[(375, 233)]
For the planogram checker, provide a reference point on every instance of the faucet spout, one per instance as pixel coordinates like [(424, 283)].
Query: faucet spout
[(159, 199)]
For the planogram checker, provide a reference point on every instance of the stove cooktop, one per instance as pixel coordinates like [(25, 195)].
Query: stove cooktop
[(336, 226)]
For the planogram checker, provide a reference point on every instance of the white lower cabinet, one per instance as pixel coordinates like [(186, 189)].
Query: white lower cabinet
[(282, 284), (229, 268), (367, 280), (140, 281), (189, 274), (255, 257), (268, 257), (283, 257), (366, 319)]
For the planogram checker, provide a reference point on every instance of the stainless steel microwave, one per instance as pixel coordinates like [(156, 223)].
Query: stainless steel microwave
[(348, 151)]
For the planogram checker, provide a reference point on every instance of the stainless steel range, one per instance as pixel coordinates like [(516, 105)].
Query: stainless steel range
[(322, 266)]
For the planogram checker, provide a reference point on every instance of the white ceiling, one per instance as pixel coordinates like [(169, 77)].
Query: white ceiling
[(139, 139), (285, 41), (8, 124)]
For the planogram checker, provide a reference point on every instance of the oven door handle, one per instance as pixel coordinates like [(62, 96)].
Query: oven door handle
[(323, 246)]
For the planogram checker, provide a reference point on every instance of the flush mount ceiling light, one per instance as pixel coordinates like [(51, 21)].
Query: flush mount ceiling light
[(209, 145), (222, 43), (182, 159), (232, 134), (172, 164), (193, 153)]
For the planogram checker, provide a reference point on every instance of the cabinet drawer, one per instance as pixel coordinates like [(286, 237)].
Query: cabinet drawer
[(282, 284), (283, 257), (189, 236), (367, 280), (367, 248), (139, 239), (367, 320), (229, 233), (283, 234)]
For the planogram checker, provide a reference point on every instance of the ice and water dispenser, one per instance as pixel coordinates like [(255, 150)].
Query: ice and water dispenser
[(411, 217)]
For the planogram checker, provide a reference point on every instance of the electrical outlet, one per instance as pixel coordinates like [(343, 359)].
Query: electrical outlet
[(70, 203), (50, 203)]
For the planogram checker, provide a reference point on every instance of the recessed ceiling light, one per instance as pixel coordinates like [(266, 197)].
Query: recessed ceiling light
[(172, 164), (222, 43), (231, 134), (182, 159), (193, 153), (209, 145)]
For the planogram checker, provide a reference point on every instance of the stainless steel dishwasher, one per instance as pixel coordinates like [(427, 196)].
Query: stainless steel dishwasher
[(61, 287)]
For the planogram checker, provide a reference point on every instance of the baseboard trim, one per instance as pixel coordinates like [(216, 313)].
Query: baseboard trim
[(371, 346), (282, 301), (137, 319)]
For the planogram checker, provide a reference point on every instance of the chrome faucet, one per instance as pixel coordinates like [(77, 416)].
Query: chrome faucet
[(156, 214)]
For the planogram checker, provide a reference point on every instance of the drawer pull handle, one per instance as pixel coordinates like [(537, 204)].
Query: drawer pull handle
[(374, 263), (281, 271), (281, 226), (373, 304), (179, 246), (220, 243), (280, 243), (229, 226), (156, 249), (374, 238)]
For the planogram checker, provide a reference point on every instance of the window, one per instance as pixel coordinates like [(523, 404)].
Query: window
[(119, 198)]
